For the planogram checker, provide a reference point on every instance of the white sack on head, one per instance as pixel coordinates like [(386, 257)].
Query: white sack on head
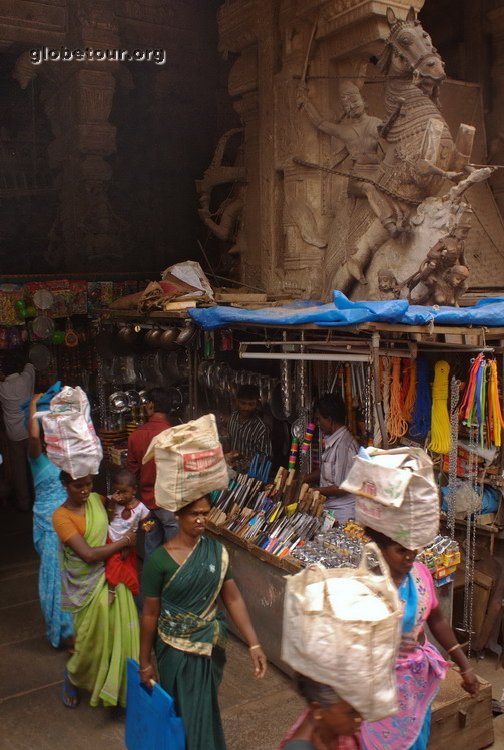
[(189, 463), (397, 494), (71, 441), (342, 627)]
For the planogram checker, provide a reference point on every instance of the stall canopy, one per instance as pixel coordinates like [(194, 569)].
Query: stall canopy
[(343, 312)]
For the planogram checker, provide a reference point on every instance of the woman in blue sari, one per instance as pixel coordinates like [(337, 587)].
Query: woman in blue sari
[(49, 495), (181, 583)]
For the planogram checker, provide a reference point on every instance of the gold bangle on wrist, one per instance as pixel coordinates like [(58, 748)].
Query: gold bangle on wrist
[(253, 648), (454, 648), (145, 669)]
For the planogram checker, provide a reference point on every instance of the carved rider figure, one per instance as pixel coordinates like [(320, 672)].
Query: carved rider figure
[(360, 134)]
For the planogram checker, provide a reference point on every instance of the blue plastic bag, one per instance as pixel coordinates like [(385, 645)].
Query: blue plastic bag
[(151, 721)]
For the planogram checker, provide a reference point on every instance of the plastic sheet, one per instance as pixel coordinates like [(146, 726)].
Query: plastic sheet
[(344, 312)]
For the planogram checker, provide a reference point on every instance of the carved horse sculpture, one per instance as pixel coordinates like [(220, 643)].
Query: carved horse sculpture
[(419, 150)]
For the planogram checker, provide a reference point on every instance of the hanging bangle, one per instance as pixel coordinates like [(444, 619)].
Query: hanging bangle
[(454, 648), (145, 669), (253, 648), (467, 671)]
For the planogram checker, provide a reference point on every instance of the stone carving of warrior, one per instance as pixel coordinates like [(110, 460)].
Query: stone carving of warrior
[(360, 134), (445, 254)]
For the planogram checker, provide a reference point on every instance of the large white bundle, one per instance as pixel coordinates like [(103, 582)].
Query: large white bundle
[(189, 463), (341, 627), (71, 440), (397, 494)]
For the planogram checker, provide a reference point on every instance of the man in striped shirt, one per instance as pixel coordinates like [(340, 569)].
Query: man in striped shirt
[(247, 431)]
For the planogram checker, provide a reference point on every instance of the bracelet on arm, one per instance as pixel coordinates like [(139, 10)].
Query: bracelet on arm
[(145, 669), (467, 671), (454, 648), (253, 648)]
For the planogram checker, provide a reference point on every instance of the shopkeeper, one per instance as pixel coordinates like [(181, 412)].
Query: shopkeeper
[(161, 524), (340, 447), (247, 432)]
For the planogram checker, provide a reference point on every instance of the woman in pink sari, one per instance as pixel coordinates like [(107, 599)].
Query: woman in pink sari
[(420, 666)]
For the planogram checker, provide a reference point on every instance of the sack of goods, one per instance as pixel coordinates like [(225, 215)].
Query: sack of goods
[(342, 627), (71, 440), (396, 493), (189, 463)]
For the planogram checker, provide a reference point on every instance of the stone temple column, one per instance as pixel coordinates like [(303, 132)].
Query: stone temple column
[(495, 118), (85, 139)]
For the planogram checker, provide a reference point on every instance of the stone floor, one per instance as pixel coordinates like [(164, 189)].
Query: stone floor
[(32, 717)]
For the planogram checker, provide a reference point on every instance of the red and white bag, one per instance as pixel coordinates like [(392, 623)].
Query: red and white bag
[(69, 434), (189, 463)]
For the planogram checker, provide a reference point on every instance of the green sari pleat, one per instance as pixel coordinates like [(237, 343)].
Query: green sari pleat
[(193, 682), (106, 634)]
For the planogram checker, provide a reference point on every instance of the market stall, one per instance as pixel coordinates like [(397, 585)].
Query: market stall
[(406, 382)]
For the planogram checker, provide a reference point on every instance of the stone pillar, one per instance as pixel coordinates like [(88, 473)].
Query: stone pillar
[(90, 231), (495, 118)]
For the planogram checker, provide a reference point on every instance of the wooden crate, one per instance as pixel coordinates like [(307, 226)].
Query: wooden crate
[(460, 722)]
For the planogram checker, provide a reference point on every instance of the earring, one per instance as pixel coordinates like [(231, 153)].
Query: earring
[(317, 715)]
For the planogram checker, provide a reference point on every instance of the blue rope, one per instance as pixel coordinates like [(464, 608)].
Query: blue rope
[(421, 421)]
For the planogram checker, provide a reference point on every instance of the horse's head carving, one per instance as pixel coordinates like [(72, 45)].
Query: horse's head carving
[(409, 52)]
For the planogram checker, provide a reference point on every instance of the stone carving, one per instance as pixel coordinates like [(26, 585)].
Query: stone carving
[(388, 286), (360, 134), (224, 221), (349, 199), (419, 150), (105, 234)]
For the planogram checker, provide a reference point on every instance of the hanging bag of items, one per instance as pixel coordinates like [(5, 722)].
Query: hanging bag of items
[(71, 440), (189, 463), (341, 627), (396, 494)]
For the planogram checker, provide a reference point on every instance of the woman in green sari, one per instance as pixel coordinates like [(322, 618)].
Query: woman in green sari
[(105, 634), (181, 583)]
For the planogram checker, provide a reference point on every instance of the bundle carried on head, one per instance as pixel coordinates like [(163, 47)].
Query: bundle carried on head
[(71, 441), (189, 463), (396, 493), (341, 627)]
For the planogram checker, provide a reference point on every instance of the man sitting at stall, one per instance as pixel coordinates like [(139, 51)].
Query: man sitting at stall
[(340, 447), (247, 432), (161, 524)]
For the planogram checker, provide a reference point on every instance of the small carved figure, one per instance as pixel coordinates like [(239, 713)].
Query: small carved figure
[(445, 288), (226, 221), (388, 285), (360, 134), (446, 253)]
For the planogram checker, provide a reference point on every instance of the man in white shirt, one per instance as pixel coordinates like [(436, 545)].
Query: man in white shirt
[(16, 387), (340, 447)]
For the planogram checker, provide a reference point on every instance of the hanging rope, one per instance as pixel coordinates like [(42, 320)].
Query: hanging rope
[(440, 430), (386, 375), (495, 420), (397, 426), (421, 419), (409, 397)]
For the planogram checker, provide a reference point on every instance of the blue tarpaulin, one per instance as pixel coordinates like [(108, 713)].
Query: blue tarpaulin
[(343, 312)]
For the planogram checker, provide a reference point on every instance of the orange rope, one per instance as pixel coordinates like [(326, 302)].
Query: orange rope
[(396, 424)]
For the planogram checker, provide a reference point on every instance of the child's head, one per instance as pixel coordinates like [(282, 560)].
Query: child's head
[(124, 486)]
